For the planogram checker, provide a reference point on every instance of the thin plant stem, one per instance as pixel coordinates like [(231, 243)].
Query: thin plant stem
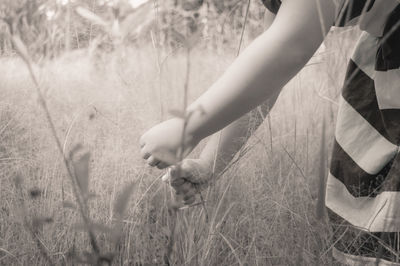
[(42, 102), (244, 27), (155, 42), (174, 210)]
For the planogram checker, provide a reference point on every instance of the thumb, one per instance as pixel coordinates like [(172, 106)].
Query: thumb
[(192, 171), (185, 170), (173, 173), (171, 180), (189, 170)]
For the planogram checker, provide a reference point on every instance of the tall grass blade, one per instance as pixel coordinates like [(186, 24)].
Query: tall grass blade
[(244, 27), (81, 168), (21, 48), (232, 249), (122, 200), (321, 173)]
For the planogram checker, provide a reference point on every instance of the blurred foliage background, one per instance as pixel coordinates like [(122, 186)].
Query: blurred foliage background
[(52, 27)]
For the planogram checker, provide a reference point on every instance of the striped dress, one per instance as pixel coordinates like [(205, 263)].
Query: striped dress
[(363, 186)]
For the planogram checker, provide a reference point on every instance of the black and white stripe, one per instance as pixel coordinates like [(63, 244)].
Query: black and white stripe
[(363, 191)]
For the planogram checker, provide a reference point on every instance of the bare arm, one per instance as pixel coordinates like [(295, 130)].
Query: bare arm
[(257, 75), (223, 145), (265, 66)]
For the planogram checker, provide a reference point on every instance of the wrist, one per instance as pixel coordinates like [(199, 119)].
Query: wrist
[(206, 163), (195, 121), (187, 139)]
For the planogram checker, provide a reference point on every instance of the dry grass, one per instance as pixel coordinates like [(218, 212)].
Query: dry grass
[(262, 211)]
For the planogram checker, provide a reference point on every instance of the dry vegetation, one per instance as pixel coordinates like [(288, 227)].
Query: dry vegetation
[(261, 212)]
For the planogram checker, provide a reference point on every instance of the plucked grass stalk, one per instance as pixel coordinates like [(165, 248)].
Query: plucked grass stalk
[(188, 116), (174, 208), (23, 53)]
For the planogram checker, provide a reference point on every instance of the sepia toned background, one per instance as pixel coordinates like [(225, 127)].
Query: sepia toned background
[(107, 71)]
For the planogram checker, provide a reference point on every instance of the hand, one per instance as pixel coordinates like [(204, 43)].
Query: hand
[(189, 178), (160, 145)]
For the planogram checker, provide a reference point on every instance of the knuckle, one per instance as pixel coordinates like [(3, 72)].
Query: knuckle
[(142, 139), (177, 182), (191, 192), (151, 161), (164, 165), (189, 200), (178, 192), (188, 196), (185, 187), (145, 154)]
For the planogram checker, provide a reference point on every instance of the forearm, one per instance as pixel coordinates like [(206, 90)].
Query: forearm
[(224, 145)]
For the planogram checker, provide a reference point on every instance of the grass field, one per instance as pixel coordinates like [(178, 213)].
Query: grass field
[(261, 212)]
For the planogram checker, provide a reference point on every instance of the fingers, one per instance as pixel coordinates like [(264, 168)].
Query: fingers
[(145, 154), (142, 142), (152, 161), (191, 171), (181, 171), (177, 182), (184, 190), (173, 178), (184, 187), (187, 194), (187, 172), (162, 165), (189, 200)]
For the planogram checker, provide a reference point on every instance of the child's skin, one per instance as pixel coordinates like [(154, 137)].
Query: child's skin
[(256, 77)]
